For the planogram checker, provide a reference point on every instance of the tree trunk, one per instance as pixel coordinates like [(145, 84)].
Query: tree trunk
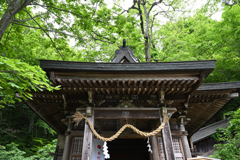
[(146, 36), (13, 8), (31, 123), (147, 50)]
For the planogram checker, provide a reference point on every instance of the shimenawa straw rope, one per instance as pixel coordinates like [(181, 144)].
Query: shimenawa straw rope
[(78, 117)]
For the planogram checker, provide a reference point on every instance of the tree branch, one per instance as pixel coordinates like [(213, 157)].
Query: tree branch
[(132, 7), (46, 34), (94, 10), (24, 4), (154, 16), (96, 39), (8, 1), (165, 12), (44, 29), (7, 38), (10, 134), (141, 18), (229, 4), (153, 5), (170, 5), (28, 19), (64, 10), (80, 39), (157, 60), (101, 35)]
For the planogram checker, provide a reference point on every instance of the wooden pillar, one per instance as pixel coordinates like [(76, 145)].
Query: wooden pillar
[(155, 154), (88, 137), (66, 151), (150, 155), (167, 139), (185, 143)]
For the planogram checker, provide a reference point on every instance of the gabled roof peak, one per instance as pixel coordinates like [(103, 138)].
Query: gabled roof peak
[(124, 55)]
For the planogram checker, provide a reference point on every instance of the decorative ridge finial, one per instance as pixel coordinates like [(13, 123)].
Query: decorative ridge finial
[(124, 42), (124, 55)]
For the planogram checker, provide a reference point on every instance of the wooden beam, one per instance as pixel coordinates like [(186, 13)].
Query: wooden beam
[(129, 114), (87, 140), (185, 143), (154, 146), (67, 145), (125, 135), (132, 109), (167, 140)]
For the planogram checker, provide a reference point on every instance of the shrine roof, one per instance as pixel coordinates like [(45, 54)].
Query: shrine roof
[(209, 130), (220, 86), (207, 100), (183, 66), (176, 79)]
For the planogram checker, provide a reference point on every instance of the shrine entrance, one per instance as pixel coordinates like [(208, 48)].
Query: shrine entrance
[(128, 149)]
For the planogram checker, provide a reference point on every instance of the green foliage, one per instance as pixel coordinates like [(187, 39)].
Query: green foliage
[(229, 149), (47, 130), (201, 38), (43, 152), (11, 152), (19, 124), (19, 77)]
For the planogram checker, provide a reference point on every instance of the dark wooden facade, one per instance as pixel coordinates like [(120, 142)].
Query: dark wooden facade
[(134, 93)]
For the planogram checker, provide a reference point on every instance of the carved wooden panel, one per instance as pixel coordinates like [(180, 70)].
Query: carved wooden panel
[(177, 146), (160, 148), (178, 150), (76, 150)]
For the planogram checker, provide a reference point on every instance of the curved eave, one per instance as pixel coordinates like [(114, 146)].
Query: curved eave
[(49, 114), (169, 67), (207, 100)]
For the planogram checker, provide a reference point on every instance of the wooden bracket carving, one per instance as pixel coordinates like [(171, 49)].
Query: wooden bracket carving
[(162, 96), (90, 96), (64, 104), (201, 79), (183, 119), (186, 104), (168, 111), (89, 111), (164, 111)]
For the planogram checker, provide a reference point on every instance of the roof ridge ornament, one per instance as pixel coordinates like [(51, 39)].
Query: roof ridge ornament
[(124, 43), (124, 55)]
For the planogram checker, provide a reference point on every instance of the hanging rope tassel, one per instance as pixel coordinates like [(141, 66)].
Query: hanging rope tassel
[(78, 117), (149, 146), (105, 151)]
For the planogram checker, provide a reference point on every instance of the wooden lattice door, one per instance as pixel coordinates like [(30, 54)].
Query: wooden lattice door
[(76, 149), (177, 146), (160, 148), (178, 150)]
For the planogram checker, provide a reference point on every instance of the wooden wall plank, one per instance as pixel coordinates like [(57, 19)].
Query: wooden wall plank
[(167, 140), (87, 140), (136, 114)]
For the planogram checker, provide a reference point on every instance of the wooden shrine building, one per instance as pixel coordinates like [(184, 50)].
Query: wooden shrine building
[(129, 92)]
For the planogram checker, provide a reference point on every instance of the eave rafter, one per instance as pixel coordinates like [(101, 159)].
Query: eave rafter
[(128, 86)]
